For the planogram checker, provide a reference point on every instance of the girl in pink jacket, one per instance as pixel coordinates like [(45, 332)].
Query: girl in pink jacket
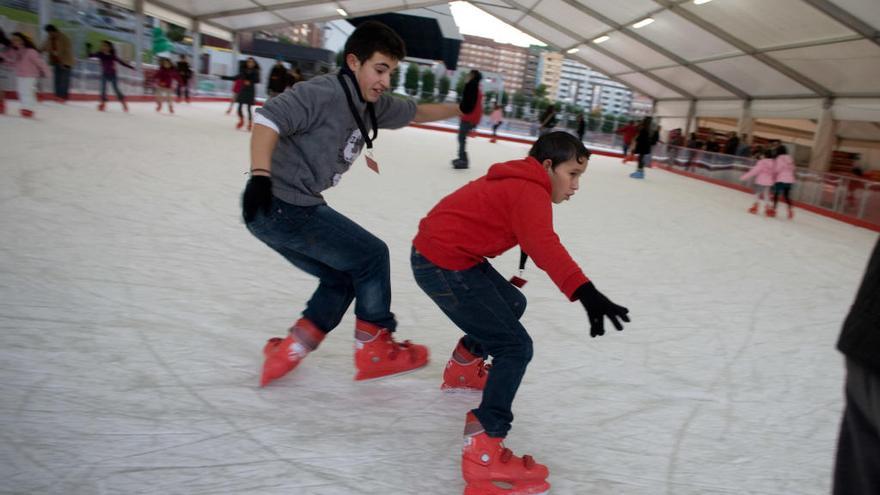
[(765, 176), (784, 170), (28, 66)]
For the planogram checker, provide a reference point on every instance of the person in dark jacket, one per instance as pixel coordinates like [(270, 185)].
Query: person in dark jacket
[(645, 141), (107, 55), (277, 79), (472, 107), (185, 73), (250, 77), (857, 469)]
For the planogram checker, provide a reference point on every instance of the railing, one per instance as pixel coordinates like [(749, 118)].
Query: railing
[(846, 195)]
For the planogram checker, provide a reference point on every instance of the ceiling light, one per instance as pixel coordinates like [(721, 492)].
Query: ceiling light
[(644, 22), (601, 39), (701, 2), (342, 12), (572, 50)]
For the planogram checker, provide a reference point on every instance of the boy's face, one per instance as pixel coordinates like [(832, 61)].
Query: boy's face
[(565, 178), (373, 75)]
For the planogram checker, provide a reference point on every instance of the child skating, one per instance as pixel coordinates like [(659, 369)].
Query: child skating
[(764, 174), (107, 55), (23, 56), (510, 205), (783, 170), (166, 76), (303, 141)]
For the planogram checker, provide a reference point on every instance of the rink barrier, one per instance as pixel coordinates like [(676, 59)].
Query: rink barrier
[(731, 167)]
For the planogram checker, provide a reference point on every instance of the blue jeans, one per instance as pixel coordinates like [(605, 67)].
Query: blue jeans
[(111, 78), (464, 128), (61, 75), (487, 308), (350, 263)]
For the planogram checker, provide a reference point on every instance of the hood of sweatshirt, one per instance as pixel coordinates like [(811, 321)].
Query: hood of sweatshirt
[(529, 169)]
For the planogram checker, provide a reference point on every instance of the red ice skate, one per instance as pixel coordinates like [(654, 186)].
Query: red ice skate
[(159, 106), (790, 212), (170, 107), (754, 209), (377, 355), (250, 126), (102, 106), (28, 114), (240, 123), (124, 106), (465, 372), (283, 355), (489, 468), (770, 212)]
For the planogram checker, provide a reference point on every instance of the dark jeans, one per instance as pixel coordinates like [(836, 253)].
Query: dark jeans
[(250, 115), (61, 74), (487, 308), (183, 89), (463, 129), (857, 470), (495, 128), (350, 263), (111, 78), (644, 160)]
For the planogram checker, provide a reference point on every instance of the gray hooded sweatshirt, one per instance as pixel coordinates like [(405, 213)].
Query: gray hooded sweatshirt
[(318, 138)]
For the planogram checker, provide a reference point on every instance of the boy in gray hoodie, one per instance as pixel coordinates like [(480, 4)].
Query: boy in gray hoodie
[(303, 141)]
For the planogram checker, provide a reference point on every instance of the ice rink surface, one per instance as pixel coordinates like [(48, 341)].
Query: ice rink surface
[(135, 306)]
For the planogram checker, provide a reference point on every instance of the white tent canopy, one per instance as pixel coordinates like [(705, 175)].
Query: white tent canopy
[(716, 54)]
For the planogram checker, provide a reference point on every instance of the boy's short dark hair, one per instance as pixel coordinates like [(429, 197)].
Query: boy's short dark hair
[(371, 37), (559, 147), (50, 28)]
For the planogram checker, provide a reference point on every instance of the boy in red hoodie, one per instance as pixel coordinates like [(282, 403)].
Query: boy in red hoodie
[(508, 206)]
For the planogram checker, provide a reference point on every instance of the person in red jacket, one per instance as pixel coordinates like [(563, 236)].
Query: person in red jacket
[(510, 205), (166, 76), (628, 133), (472, 106)]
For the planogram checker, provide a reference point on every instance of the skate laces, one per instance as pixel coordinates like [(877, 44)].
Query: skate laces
[(484, 369), (398, 347), (506, 454)]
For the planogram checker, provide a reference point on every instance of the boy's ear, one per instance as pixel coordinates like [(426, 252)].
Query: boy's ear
[(548, 164), (352, 61)]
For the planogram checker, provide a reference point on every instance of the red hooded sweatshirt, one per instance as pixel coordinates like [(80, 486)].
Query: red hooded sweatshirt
[(510, 205)]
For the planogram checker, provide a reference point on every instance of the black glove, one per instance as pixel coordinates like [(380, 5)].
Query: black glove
[(598, 307), (257, 197), (469, 97)]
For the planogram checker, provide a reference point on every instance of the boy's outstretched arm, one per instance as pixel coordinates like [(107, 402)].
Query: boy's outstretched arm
[(429, 112)]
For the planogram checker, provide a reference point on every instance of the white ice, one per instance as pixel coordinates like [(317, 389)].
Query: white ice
[(135, 306)]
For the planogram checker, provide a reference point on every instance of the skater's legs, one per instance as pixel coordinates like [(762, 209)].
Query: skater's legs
[(240, 115), (119, 96), (463, 129), (104, 79), (515, 300), (26, 96), (322, 235), (472, 300), (250, 114)]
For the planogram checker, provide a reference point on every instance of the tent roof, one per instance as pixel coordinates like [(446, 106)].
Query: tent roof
[(720, 50)]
